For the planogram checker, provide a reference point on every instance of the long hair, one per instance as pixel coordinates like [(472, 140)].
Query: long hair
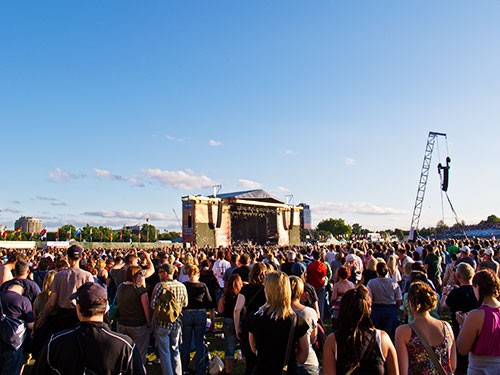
[(47, 283), (233, 286), (278, 296), (257, 273), (354, 323)]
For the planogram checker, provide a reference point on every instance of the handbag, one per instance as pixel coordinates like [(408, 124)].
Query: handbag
[(12, 330), (113, 312), (289, 345), (430, 352)]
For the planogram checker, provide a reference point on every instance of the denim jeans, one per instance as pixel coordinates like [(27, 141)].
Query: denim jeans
[(11, 362), (167, 345), (194, 325), (321, 292), (230, 339), (140, 335)]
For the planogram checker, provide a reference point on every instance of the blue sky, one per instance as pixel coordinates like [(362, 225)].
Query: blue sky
[(112, 111)]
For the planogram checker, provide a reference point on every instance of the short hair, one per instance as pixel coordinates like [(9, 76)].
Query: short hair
[(344, 272), (422, 297), (132, 272), (130, 258), (465, 271), (21, 268), (372, 264), (297, 286), (382, 269), (244, 259)]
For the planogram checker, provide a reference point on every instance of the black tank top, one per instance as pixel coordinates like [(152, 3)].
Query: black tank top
[(372, 361)]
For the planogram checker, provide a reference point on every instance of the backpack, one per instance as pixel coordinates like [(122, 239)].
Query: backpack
[(167, 309), (12, 331)]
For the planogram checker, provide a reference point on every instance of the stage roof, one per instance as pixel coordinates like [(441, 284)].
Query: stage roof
[(257, 195)]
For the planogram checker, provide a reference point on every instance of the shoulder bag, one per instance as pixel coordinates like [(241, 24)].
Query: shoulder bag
[(289, 345)]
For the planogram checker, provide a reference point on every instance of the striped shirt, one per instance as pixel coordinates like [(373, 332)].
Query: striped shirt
[(179, 291)]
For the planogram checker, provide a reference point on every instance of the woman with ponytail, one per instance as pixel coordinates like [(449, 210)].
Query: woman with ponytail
[(424, 330), (356, 347)]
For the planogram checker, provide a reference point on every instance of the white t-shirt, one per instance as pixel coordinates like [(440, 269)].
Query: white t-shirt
[(311, 318)]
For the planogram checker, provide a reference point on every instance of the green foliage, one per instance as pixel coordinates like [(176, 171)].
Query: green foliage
[(167, 235), (337, 227)]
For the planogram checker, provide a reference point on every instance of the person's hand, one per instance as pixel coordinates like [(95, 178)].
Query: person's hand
[(460, 316)]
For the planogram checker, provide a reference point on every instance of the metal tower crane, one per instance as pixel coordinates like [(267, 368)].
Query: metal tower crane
[(423, 182)]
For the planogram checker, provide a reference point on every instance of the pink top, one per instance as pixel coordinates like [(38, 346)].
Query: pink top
[(487, 342)]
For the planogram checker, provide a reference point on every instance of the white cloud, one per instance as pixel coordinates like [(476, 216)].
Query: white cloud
[(173, 139), (283, 190), (60, 175), (103, 173), (289, 152), (136, 215), (331, 209), (248, 184), (214, 143), (182, 180), (350, 161)]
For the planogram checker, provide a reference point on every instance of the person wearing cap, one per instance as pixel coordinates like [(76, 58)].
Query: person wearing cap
[(465, 257), (14, 305), (488, 261), (90, 347), (460, 299), (168, 335), (65, 283)]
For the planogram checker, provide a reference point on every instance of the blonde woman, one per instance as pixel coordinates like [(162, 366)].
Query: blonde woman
[(183, 273), (44, 326), (311, 364), (392, 265), (269, 329)]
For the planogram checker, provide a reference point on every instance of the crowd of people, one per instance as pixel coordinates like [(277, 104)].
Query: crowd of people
[(429, 307)]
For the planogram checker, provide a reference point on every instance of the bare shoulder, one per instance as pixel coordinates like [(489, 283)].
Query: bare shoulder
[(330, 341), (403, 331)]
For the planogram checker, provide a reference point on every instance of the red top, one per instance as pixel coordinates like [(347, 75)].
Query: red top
[(316, 273)]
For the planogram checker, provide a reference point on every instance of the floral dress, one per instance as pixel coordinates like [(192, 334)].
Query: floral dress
[(419, 361)]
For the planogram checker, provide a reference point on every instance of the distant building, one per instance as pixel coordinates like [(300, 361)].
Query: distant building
[(305, 217), (29, 224)]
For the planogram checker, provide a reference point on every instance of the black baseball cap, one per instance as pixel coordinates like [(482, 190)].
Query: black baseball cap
[(90, 295)]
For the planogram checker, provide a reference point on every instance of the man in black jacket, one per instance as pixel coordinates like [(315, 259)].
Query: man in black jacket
[(91, 347)]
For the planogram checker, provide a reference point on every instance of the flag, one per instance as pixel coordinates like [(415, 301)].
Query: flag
[(57, 234), (147, 220), (31, 236), (18, 229), (121, 234), (78, 231), (4, 234), (139, 235), (110, 236), (43, 233)]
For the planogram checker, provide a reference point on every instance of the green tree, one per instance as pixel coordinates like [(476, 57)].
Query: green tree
[(337, 227), (169, 235)]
